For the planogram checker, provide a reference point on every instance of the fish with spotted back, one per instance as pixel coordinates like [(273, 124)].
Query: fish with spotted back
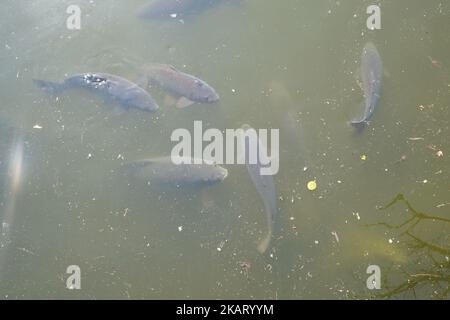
[(125, 92)]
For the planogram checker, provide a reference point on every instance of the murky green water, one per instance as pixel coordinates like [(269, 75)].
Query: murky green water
[(287, 64)]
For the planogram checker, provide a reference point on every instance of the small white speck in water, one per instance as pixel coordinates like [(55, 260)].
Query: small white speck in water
[(357, 215), (334, 233)]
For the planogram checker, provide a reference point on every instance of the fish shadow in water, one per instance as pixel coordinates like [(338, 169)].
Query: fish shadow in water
[(359, 127)]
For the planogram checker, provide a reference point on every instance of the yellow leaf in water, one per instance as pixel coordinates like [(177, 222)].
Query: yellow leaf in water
[(312, 185)]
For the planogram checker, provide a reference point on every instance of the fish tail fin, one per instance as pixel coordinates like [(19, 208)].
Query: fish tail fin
[(48, 86), (134, 169), (359, 124), (129, 169), (264, 244)]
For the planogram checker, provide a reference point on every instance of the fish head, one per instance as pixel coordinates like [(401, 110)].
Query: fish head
[(220, 174), (214, 173), (202, 92), (143, 101)]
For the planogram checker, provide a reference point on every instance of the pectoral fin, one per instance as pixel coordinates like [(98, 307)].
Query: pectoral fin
[(184, 103)]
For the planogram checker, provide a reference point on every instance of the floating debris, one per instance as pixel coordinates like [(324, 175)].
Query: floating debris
[(36, 126), (245, 267), (435, 63), (334, 233), (357, 215), (363, 157), (26, 251), (437, 152), (402, 159), (312, 185), (416, 139), (220, 247)]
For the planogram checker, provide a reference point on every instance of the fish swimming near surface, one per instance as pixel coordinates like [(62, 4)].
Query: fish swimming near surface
[(372, 74), (127, 93), (187, 88), (164, 171), (265, 186), (163, 9)]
